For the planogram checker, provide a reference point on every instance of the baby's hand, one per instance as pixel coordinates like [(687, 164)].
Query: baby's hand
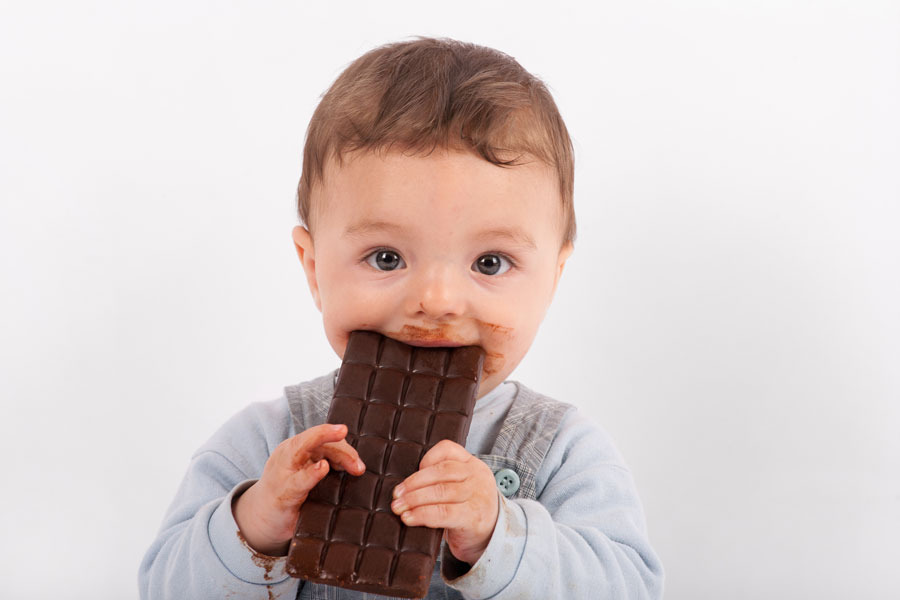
[(454, 490), (266, 513)]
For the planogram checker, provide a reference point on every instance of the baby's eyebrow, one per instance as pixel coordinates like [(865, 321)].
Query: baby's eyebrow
[(513, 234), (363, 227)]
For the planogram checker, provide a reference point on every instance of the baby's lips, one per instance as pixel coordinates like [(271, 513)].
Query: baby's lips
[(418, 335), (442, 336), (439, 336), (434, 343)]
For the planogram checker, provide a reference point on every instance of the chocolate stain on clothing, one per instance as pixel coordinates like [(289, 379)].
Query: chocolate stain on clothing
[(262, 561)]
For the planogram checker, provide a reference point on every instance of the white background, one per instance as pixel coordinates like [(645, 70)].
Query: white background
[(730, 313)]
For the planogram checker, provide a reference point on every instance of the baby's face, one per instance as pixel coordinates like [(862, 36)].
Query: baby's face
[(443, 250)]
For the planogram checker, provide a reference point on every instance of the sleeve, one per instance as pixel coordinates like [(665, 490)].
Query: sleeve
[(199, 552), (584, 537)]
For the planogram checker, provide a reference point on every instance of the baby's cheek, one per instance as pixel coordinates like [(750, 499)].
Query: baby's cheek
[(493, 363), (339, 320), (498, 341), (353, 317)]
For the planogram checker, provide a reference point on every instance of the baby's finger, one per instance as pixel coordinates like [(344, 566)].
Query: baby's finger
[(439, 493), (446, 471), (301, 445), (445, 450), (298, 485), (343, 456), (449, 516)]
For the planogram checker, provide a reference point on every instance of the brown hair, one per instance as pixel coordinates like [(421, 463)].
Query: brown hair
[(439, 93)]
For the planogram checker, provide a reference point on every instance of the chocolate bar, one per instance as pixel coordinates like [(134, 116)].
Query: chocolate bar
[(397, 402)]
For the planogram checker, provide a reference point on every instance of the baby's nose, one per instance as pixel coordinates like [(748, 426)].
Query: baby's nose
[(440, 293)]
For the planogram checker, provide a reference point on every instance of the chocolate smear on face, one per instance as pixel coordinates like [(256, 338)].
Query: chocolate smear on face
[(494, 328), (423, 334), (493, 362)]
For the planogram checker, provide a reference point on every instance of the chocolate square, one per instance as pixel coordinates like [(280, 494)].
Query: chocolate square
[(316, 518), (346, 411), (360, 491), (421, 539), (454, 393), (385, 530), (372, 451), (422, 391), (375, 567), (386, 493), (394, 355), (350, 525), (328, 490), (353, 381), (378, 418), (403, 459), (413, 425), (388, 386)]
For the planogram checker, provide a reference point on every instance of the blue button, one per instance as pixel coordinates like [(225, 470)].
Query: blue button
[(507, 481)]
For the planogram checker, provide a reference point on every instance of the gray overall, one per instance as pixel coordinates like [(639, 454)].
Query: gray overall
[(526, 434)]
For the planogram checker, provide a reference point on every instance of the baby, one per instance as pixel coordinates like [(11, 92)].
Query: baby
[(436, 197)]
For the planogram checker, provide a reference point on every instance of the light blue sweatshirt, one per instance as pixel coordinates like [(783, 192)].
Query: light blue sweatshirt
[(583, 537)]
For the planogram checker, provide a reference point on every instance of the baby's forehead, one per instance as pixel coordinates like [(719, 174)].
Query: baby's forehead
[(396, 182), (445, 173), (456, 197)]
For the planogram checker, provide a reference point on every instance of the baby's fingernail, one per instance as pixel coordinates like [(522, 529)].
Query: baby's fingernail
[(360, 465), (398, 491), (336, 427), (398, 506)]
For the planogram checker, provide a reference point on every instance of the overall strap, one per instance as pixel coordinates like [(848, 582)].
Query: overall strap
[(525, 437), (309, 401)]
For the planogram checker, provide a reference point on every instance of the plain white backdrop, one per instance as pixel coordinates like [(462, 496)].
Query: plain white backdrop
[(730, 313)]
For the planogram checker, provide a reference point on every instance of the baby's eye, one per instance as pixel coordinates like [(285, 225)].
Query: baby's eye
[(491, 264), (385, 260)]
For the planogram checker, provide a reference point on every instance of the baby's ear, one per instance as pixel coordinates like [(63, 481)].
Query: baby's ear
[(306, 252), (564, 253)]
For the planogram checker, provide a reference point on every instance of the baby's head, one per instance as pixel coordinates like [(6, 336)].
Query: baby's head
[(436, 198)]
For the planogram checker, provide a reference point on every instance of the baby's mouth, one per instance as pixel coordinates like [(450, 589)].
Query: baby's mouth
[(427, 337), (441, 336)]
